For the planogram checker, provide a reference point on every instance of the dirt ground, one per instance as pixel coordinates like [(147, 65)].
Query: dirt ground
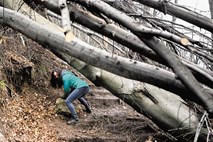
[(28, 111)]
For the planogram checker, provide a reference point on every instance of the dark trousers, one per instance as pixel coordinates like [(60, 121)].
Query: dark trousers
[(77, 94)]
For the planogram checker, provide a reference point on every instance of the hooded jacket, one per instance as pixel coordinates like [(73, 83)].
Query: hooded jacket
[(70, 81)]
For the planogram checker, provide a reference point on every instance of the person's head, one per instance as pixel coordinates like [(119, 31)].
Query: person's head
[(56, 80)]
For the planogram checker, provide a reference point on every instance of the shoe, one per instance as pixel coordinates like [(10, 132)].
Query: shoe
[(72, 121), (88, 110)]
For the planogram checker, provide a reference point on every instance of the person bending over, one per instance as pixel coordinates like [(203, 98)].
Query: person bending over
[(74, 88)]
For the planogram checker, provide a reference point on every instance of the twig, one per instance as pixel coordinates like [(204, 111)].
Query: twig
[(203, 119), (22, 39)]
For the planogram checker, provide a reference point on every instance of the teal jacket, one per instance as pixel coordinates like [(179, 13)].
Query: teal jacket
[(70, 81)]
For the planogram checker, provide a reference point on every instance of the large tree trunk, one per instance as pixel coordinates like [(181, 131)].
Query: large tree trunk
[(211, 7), (165, 109), (108, 29)]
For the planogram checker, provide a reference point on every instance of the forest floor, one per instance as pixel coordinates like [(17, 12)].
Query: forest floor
[(28, 113)]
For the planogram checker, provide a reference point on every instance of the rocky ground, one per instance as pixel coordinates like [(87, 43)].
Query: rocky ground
[(28, 108)]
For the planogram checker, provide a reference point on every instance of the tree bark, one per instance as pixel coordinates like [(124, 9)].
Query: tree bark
[(21, 7), (211, 8), (173, 17)]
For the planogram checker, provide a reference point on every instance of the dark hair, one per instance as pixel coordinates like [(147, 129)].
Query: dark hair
[(56, 82)]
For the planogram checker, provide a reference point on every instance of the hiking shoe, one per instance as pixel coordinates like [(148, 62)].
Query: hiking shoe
[(72, 121), (88, 110)]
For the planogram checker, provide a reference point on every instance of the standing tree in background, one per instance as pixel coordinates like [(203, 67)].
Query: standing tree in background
[(174, 18)]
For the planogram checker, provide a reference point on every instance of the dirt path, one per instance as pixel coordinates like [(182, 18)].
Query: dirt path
[(110, 121), (31, 117)]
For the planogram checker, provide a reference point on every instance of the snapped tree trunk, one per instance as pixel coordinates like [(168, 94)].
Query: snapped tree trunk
[(165, 109), (65, 19)]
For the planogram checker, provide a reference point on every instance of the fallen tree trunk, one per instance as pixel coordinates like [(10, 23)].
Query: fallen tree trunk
[(165, 109), (168, 110), (99, 58)]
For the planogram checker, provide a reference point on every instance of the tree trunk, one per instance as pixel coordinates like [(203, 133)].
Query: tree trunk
[(65, 19), (168, 8), (173, 17), (165, 109), (211, 7)]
